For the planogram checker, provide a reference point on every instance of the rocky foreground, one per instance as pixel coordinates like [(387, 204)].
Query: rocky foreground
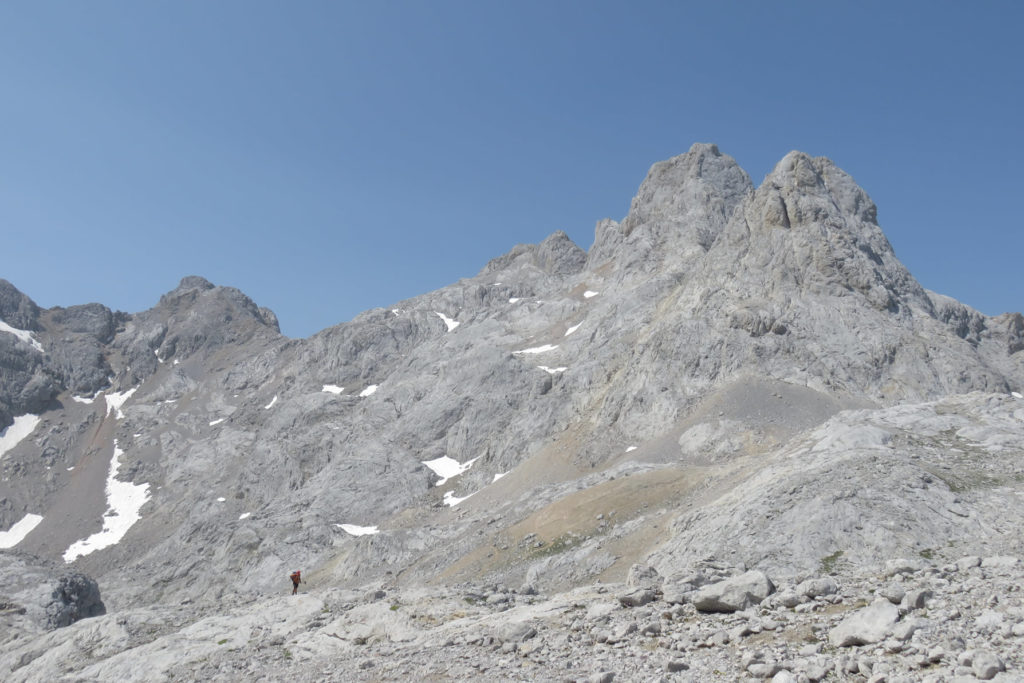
[(911, 620)]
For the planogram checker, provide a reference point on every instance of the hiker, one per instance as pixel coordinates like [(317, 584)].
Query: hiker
[(296, 577)]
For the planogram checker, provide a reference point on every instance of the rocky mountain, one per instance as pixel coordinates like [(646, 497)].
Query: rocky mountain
[(730, 377)]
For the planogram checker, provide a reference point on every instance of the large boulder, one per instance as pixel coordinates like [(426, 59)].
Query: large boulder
[(75, 596), (868, 625), (46, 593), (734, 594)]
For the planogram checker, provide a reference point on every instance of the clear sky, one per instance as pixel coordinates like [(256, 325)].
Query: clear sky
[(330, 157)]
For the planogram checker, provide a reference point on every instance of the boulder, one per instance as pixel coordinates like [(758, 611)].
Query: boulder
[(734, 594), (644, 576), (636, 597), (814, 588), (868, 625), (985, 665), (515, 632), (76, 596)]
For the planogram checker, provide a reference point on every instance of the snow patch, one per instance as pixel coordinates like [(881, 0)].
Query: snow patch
[(221, 499), (513, 300), (552, 371), (116, 399), (589, 293), (369, 391), (1016, 394), (245, 515), (124, 501), (216, 422), (497, 476), (12, 435), (271, 404), (23, 335), (539, 349), (572, 329), (84, 399), (631, 448), (451, 324), (17, 533), (451, 500), (446, 467), (356, 530), (332, 389)]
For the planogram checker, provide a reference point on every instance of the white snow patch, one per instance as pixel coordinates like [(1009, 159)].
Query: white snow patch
[(1016, 394), (271, 404), (356, 530), (71, 468), (552, 371), (572, 329), (332, 389), (446, 467), (221, 499), (216, 422), (451, 501), (589, 293), (245, 515), (17, 533), (539, 349), (84, 399), (156, 352), (513, 300), (631, 448), (13, 434), (451, 324), (176, 361), (116, 399), (497, 476), (369, 391), (23, 335), (124, 501)]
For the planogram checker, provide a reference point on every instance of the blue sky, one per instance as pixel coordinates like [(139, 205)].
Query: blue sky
[(330, 157)]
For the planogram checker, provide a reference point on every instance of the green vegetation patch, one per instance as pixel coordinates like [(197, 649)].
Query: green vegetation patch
[(829, 563)]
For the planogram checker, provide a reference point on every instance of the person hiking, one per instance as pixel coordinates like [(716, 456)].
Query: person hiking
[(296, 577)]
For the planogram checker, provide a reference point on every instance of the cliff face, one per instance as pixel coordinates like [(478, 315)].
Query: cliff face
[(715, 322)]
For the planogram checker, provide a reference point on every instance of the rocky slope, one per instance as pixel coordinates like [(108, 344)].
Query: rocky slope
[(742, 373)]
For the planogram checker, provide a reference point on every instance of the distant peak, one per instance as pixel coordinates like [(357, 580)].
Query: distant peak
[(193, 282), (16, 309), (710, 148), (799, 176), (800, 170), (678, 186)]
